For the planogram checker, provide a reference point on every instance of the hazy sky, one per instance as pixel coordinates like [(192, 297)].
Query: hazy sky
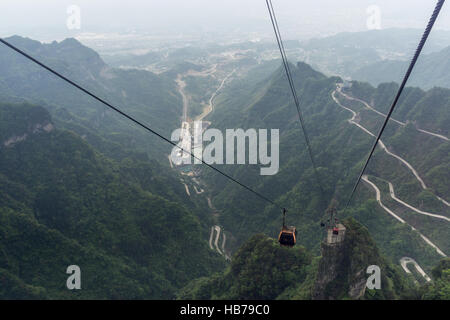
[(297, 18)]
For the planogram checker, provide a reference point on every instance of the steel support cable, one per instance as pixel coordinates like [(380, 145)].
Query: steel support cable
[(294, 92), (133, 119), (419, 48)]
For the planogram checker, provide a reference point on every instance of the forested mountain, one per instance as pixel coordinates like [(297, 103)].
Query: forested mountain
[(431, 71), (80, 185), (345, 53), (440, 288), (339, 148), (128, 225), (151, 98), (385, 40), (261, 269)]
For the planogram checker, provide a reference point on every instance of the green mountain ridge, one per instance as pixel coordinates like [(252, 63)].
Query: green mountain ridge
[(79, 185), (338, 148), (357, 54), (261, 269), (151, 98), (430, 71), (71, 205)]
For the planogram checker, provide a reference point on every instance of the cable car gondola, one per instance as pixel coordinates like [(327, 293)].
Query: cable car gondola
[(288, 234)]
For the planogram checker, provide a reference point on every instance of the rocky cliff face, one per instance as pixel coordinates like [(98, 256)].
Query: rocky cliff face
[(35, 129), (261, 269), (331, 274), (18, 122), (342, 268)]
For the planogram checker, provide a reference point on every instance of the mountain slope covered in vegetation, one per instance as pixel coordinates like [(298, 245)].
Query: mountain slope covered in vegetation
[(339, 147), (81, 186), (131, 229), (431, 71), (144, 95), (261, 269)]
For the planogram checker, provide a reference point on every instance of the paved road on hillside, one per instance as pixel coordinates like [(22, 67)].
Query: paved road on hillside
[(382, 145), (210, 106), (213, 242), (368, 106), (218, 231), (393, 196), (181, 85), (405, 260), (365, 178)]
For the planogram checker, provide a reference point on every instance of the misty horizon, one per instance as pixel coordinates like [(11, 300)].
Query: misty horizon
[(47, 20)]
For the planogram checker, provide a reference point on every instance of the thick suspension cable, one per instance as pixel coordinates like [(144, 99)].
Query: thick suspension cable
[(133, 119), (424, 38), (293, 91)]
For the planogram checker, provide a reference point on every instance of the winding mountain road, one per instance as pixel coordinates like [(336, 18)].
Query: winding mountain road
[(365, 178), (405, 260), (211, 238), (368, 106), (181, 85), (186, 137), (406, 163), (377, 191), (216, 242), (391, 187), (393, 196), (198, 191), (218, 231), (381, 143), (186, 188), (210, 106)]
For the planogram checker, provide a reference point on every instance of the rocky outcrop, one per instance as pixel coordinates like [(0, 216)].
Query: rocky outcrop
[(18, 122), (333, 279), (328, 268), (342, 268), (35, 129), (14, 139), (47, 127)]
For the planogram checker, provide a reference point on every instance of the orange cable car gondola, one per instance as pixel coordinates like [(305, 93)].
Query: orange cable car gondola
[(288, 234)]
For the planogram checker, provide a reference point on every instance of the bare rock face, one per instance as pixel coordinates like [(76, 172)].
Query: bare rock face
[(39, 127), (357, 289), (342, 269), (14, 139), (35, 129), (20, 122), (328, 269)]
